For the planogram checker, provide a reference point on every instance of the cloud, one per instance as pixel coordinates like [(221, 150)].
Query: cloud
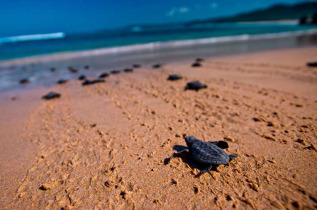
[(213, 5), (183, 10), (179, 10)]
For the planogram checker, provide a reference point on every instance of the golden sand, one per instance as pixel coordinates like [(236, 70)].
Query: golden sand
[(104, 145)]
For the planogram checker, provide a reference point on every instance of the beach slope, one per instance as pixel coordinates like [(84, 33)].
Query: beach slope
[(104, 145)]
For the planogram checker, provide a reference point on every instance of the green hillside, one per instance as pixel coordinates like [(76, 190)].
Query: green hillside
[(277, 12)]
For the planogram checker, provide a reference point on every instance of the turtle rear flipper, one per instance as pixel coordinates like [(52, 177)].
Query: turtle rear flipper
[(178, 154), (207, 169), (232, 156), (221, 144)]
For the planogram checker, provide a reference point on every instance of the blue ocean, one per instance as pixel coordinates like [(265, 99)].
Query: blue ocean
[(31, 45)]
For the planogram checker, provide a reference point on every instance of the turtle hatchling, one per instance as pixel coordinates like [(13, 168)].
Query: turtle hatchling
[(115, 71), (51, 95), (174, 77), (196, 64), (82, 77), (209, 154), (195, 86), (103, 75), (128, 70)]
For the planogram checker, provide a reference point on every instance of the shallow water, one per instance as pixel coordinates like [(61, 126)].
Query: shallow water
[(130, 36)]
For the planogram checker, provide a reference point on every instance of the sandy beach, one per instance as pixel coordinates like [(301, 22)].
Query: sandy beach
[(103, 146)]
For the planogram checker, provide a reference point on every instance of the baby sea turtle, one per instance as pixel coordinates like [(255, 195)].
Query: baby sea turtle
[(195, 86), (62, 81), (312, 64), (103, 75), (90, 82), (174, 77), (24, 81), (128, 70), (136, 65), (115, 71), (82, 77), (196, 64), (51, 95), (156, 66), (72, 70), (210, 154), (199, 59)]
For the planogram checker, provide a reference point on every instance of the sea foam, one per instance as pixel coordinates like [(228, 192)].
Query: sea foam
[(32, 37)]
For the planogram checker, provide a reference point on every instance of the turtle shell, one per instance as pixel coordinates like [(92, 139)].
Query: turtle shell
[(195, 85), (208, 153)]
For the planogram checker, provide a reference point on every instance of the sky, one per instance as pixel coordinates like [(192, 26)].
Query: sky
[(22, 17)]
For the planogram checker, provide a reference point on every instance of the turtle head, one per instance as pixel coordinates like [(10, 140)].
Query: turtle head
[(190, 140)]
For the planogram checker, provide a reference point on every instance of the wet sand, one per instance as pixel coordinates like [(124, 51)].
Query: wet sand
[(104, 145)]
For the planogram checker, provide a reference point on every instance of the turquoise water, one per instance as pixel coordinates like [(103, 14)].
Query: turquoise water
[(137, 35)]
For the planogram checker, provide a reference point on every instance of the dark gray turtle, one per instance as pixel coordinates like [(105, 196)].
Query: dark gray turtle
[(72, 70), (210, 154), (90, 82), (62, 81), (128, 70), (24, 81), (51, 95), (136, 65), (115, 71), (174, 77), (103, 75), (156, 66), (195, 86), (199, 59), (82, 77), (312, 64), (196, 64)]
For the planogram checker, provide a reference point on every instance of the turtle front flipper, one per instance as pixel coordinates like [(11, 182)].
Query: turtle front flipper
[(232, 156), (178, 154), (207, 169), (220, 144)]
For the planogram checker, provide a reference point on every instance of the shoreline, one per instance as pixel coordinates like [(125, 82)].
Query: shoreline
[(286, 22), (39, 73), (153, 47)]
